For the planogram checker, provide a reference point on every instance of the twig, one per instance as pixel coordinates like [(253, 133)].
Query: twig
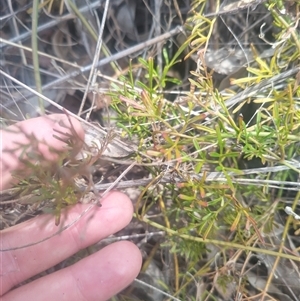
[(102, 62)]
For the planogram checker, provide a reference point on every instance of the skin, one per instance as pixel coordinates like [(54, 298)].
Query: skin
[(96, 277)]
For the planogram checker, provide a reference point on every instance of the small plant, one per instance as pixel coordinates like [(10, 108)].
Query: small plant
[(219, 165)]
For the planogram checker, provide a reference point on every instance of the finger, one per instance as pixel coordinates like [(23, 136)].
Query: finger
[(43, 130), (97, 277), (19, 265)]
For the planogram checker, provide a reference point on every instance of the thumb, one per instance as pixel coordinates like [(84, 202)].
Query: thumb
[(45, 136)]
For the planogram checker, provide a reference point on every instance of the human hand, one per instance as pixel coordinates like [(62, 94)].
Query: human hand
[(96, 277)]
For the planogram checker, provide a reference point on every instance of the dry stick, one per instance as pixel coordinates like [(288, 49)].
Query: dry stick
[(157, 21), (52, 57), (156, 289), (265, 84), (235, 7), (238, 41), (147, 235), (255, 89), (102, 62), (211, 177), (17, 33), (93, 73), (112, 186), (15, 13), (144, 182), (53, 23)]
